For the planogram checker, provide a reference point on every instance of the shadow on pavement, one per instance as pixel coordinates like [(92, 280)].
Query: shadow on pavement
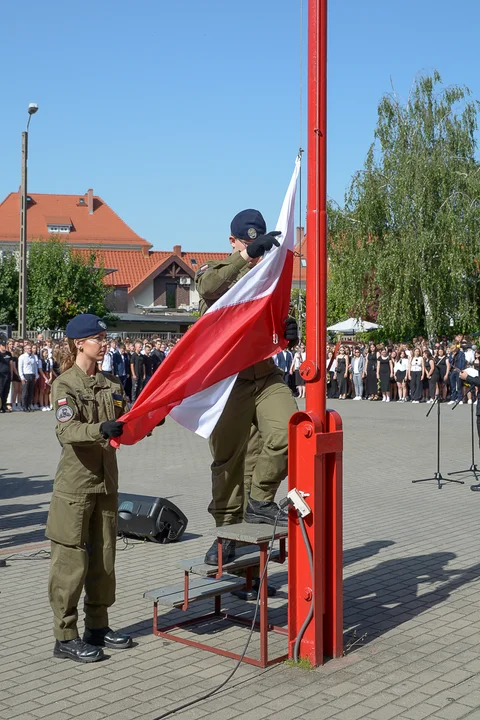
[(20, 515), (384, 597), (14, 487), (19, 539), (353, 555), (23, 519)]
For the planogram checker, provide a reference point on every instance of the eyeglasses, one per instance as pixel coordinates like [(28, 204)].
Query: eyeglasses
[(98, 340)]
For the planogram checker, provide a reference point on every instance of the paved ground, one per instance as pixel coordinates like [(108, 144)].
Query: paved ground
[(412, 609)]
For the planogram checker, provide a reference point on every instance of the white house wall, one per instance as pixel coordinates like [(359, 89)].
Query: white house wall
[(140, 297)]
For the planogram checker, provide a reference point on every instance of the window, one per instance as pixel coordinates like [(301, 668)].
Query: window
[(171, 295), (58, 228), (193, 261), (303, 262)]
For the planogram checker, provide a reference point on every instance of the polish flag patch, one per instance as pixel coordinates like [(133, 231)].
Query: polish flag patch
[(62, 401)]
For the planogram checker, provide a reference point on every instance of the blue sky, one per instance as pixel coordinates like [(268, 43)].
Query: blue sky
[(180, 114)]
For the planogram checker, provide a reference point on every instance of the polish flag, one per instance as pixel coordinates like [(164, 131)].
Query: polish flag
[(243, 327)]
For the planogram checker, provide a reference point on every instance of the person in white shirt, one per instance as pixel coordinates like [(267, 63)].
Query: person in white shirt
[(28, 371), (106, 365), (358, 369), (400, 370), (298, 358), (470, 355), (415, 375)]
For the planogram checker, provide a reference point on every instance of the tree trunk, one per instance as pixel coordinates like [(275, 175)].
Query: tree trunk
[(428, 317)]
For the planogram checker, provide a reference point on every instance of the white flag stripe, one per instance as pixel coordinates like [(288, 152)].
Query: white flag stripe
[(200, 412)]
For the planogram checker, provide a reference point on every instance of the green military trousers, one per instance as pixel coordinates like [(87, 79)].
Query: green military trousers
[(83, 530), (267, 404)]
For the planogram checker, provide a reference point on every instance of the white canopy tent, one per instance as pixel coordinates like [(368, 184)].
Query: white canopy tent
[(353, 326)]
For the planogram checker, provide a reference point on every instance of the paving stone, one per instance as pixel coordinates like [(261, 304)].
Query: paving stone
[(421, 711), (454, 711)]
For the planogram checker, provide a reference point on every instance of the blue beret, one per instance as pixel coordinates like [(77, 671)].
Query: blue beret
[(84, 325), (248, 224)]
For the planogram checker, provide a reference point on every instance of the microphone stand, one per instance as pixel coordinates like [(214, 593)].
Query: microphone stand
[(473, 468), (437, 475)]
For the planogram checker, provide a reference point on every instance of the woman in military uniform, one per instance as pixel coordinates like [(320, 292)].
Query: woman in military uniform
[(82, 521)]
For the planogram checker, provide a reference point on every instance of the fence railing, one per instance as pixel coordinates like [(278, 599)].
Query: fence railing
[(57, 335)]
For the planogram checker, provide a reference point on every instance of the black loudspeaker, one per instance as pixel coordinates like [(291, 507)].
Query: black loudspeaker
[(160, 521)]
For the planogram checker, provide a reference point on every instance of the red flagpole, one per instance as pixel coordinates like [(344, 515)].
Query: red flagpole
[(316, 303), (315, 609)]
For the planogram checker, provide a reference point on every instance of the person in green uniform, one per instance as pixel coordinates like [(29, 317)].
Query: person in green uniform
[(259, 407), (82, 520)]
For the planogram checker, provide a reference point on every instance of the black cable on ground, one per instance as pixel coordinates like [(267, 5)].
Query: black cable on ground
[(244, 651), (39, 555)]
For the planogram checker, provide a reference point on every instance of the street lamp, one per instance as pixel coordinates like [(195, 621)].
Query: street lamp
[(22, 280)]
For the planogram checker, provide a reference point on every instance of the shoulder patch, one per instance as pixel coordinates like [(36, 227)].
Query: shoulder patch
[(64, 413), (62, 401), (202, 269)]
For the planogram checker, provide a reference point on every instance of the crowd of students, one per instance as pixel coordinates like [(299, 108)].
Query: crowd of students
[(28, 369), (417, 372)]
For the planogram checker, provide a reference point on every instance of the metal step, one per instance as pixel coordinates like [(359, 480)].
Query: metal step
[(249, 533), (199, 589), (245, 557)]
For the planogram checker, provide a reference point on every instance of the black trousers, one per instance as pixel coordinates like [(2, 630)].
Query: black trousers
[(137, 387), (332, 386), (416, 389), (4, 388), (478, 429), (27, 391)]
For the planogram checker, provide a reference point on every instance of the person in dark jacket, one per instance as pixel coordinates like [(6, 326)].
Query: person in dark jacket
[(158, 354), (458, 364)]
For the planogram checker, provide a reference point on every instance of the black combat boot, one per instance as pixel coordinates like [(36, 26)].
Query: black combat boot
[(228, 552), (106, 637), (77, 650), (265, 512)]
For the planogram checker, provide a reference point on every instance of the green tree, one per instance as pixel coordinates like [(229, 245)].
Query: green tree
[(8, 291), (62, 284), (405, 249)]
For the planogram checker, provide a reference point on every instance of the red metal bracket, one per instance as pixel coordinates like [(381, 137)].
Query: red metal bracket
[(315, 467)]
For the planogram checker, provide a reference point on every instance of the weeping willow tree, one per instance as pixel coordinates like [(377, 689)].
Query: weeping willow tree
[(406, 247)]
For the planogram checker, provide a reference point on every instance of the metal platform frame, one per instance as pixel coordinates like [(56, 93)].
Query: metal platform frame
[(263, 626)]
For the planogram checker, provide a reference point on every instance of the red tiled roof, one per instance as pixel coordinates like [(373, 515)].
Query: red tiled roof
[(102, 227), (58, 221), (133, 267)]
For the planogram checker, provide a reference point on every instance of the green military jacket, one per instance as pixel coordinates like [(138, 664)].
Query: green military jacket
[(212, 280), (88, 463)]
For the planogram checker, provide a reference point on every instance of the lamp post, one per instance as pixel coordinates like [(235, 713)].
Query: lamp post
[(22, 280)]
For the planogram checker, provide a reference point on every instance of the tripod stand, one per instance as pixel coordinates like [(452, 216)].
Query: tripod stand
[(473, 468), (437, 475)]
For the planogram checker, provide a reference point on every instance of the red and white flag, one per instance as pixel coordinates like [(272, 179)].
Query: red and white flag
[(243, 327)]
